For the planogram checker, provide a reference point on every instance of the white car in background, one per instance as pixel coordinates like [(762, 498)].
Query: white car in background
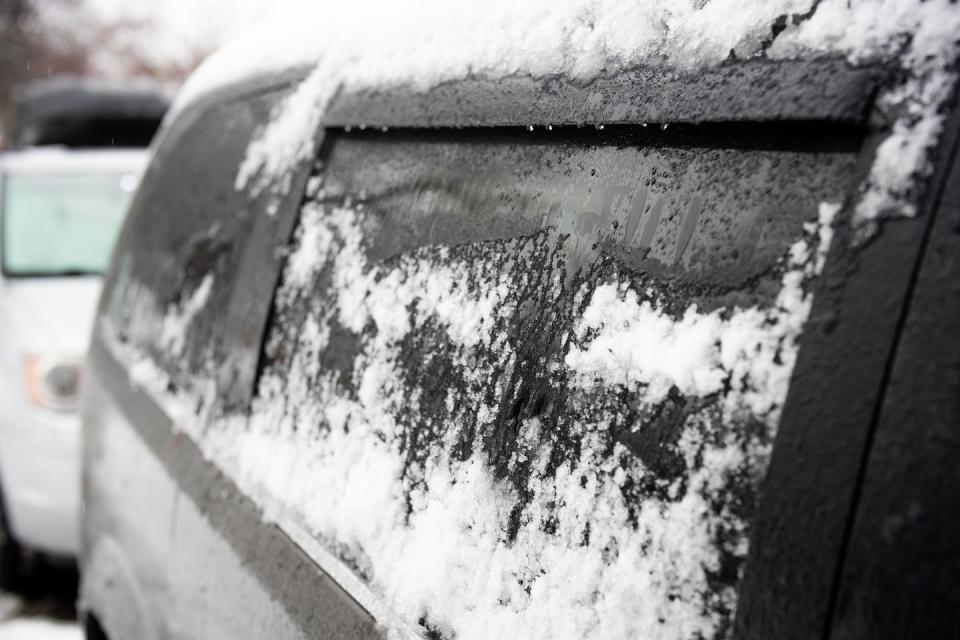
[(60, 211)]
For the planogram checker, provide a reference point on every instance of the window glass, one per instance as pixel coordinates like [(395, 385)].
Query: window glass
[(180, 262), (522, 376), (62, 224), (705, 214)]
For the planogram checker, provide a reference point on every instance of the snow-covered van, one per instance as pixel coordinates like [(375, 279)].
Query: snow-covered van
[(60, 212), (540, 320)]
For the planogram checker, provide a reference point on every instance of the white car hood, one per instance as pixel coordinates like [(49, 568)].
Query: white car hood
[(49, 315)]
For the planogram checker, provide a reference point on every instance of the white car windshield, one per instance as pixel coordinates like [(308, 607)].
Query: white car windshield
[(62, 224)]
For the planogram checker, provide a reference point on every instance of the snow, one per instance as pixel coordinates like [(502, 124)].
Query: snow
[(144, 374), (636, 343), (178, 318), (392, 466), (448, 559), (430, 542), (371, 44), (923, 37), (39, 629), (146, 322)]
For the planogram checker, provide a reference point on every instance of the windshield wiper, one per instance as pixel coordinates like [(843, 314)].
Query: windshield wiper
[(75, 272), (65, 273)]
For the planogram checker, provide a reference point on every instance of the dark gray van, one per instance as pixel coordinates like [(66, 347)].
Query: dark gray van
[(512, 356)]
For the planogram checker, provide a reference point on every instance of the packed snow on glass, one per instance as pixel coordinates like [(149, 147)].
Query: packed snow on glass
[(371, 45), (392, 457)]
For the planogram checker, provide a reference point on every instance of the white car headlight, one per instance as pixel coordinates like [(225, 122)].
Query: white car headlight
[(53, 382)]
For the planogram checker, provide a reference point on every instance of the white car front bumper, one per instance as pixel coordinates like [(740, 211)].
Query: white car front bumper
[(40, 479)]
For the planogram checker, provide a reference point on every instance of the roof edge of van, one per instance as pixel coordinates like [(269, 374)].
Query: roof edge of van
[(828, 89)]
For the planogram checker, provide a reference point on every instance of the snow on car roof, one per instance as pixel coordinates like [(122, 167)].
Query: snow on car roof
[(372, 44), (55, 160)]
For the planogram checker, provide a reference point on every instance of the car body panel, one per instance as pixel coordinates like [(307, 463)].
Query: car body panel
[(827, 89), (210, 547), (806, 499), (799, 543), (203, 557), (899, 578)]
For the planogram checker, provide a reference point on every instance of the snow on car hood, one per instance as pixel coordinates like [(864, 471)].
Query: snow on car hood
[(50, 315), (372, 44)]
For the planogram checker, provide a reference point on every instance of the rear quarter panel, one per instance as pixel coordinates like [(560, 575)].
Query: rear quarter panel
[(173, 550)]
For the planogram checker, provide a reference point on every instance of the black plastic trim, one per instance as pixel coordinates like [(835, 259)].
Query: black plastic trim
[(785, 135), (902, 548), (811, 490), (756, 90)]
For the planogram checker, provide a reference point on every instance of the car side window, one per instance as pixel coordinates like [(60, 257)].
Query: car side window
[(581, 339), (180, 261)]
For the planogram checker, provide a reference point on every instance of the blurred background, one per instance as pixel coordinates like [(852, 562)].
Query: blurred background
[(55, 54), (114, 40)]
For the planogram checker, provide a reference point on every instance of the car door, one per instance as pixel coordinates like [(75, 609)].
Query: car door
[(464, 324), (171, 548), (448, 415), (898, 577)]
